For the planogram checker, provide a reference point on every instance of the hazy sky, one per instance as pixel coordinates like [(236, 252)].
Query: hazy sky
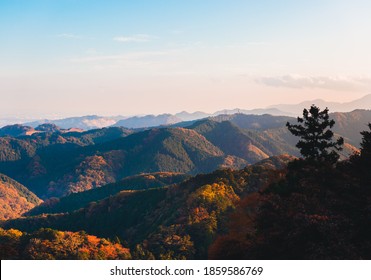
[(77, 57)]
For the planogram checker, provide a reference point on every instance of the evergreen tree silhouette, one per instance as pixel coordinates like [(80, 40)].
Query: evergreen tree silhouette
[(314, 129)]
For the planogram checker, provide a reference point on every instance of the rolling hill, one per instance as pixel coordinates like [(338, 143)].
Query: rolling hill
[(231, 140), (16, 130), (71, 165), (79, 200), (148, 121), (15, 199), (350, 124), (255, 122), (185, 215)]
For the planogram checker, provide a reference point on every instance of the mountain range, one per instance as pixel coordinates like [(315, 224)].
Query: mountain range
[(297, 109), (17, 130), (56, 162), (85, 122), (148, 121), (93, 121), (185, 190)]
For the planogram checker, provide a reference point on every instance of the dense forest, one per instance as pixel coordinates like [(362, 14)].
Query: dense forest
[(313, 205)]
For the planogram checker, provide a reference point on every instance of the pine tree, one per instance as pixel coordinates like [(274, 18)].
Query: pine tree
[(366, 143), (363, 159), (316, 135)]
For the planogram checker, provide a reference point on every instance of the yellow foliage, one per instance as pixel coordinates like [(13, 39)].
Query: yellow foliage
[(15, 232), (217, 196)]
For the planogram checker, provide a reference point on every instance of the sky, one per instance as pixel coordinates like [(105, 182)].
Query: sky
[(111, 57)]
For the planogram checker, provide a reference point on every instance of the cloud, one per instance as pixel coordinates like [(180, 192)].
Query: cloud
[(68, 36), (137, 38), (323, 82), (143, 60), (91, 51), (123, 57)]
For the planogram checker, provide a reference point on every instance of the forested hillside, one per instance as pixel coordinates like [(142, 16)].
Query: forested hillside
[(15, 199), (160, 222), (279, 208), (213, 189), (79, 200), (49, 244), (56, 163)]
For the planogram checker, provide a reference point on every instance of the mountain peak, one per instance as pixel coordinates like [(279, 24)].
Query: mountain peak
[(297, 109), (148, 121), (48, 127), (16, 130)]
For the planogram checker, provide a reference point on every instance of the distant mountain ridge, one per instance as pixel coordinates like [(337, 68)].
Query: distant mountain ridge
[(85, 122), (351, 123), (147, 121), (297, 109), (18, 130), (185, 116), (262, 111)]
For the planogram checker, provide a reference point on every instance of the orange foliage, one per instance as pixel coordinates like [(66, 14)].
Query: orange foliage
[(52, 244)]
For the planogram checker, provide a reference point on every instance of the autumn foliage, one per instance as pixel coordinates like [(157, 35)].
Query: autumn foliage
[(317, 211), (48, 244)]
